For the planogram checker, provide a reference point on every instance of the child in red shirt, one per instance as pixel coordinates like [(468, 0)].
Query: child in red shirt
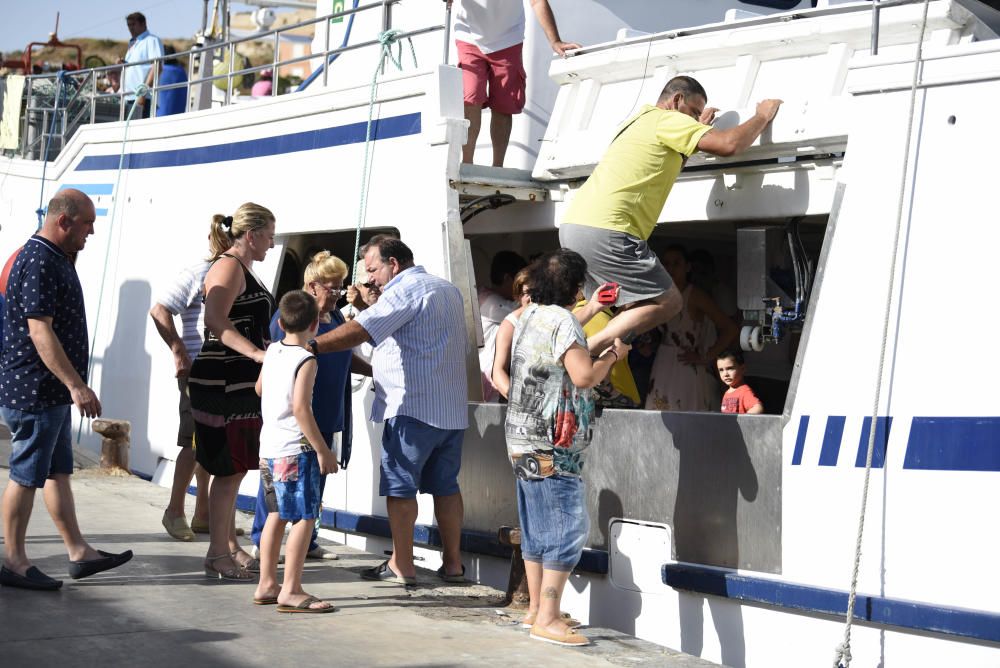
[(739, 398)]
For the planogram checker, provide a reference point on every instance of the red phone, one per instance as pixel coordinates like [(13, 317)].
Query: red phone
[(607, 294)]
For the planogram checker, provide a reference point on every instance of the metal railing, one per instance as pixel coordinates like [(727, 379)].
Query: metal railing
[(57, 104)]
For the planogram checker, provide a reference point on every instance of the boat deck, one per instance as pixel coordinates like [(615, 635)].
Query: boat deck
[(160, 610)]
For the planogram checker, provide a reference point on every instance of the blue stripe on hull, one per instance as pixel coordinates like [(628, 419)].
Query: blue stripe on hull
[(353, 133), (475, 542), (898, 613), (831, 440), (954, 444)]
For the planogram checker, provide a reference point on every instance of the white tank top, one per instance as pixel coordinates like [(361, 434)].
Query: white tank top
[(281, 436)]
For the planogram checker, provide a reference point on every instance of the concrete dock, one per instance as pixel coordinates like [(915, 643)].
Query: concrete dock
[(160, 609)]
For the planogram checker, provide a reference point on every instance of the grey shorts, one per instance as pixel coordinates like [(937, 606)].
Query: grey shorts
[(617, 257), (185, 431)]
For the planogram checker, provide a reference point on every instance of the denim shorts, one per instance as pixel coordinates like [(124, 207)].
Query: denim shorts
[(419, 457), (554, 521), (292, 486), (42, 444)]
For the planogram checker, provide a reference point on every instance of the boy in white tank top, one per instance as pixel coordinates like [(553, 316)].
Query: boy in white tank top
[(293, 456)]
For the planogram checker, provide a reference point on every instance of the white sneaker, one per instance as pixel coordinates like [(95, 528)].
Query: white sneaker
[(322, 553), (255, 553)]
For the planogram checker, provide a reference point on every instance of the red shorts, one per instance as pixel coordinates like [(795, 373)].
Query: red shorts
[(495, 80)]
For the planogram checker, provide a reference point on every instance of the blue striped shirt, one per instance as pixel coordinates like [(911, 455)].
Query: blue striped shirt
[(418, 327)]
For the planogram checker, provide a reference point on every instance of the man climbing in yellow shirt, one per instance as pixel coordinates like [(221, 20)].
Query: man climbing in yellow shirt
[(615, 211)]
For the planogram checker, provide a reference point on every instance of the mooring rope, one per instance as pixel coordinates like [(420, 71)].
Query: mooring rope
[(842, 657)]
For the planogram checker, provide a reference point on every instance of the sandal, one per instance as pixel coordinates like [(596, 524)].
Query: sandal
[(237, 573), (571, 638), (564, 617), (305, 606), (252, 566)]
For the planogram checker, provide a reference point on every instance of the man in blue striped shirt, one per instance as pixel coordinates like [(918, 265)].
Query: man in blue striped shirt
[(418, 328)]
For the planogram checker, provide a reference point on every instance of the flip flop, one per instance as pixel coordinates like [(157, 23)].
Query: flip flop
[(455, 577), (270, 600), (107, 561), (304, 608), (32, 579), (382, 573)]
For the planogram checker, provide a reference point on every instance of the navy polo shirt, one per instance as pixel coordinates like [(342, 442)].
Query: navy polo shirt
[(43, 282)]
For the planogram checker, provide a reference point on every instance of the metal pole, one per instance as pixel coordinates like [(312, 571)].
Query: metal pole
[(156, 82), (93, 98), (229, 76), (274, 65), (386, 23), (326, 56), (875, 22), (447, 30)]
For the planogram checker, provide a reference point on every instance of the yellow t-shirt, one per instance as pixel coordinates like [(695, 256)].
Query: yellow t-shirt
[(629, 186)]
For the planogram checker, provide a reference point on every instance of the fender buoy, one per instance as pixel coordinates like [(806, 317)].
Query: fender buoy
[(6, 270)]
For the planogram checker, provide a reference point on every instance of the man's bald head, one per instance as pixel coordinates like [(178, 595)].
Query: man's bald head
[(69, 220)]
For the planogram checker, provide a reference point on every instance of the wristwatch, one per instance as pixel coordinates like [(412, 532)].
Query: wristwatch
[(312, 346)]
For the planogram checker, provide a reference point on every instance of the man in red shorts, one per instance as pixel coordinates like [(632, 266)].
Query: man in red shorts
[(489, 36)]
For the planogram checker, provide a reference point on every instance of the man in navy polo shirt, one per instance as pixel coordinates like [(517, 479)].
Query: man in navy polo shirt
[(43, 372)]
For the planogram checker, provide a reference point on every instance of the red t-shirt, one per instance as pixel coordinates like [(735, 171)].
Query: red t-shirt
[(739, 400)]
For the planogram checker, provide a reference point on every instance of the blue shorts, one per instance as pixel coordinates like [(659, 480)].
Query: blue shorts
[(554, 521), (42, 444), (292, 486), (419, 457)]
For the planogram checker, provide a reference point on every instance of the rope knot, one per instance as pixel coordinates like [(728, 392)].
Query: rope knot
[(141, 90)]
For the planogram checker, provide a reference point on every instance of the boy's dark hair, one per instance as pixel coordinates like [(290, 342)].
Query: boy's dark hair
[(679, 249), (168, 51), (388, 246), (297, 311), (556, 277), (505, 263), (734, 355)]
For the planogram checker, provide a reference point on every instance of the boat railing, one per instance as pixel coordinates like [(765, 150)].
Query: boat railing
[(57, 104)]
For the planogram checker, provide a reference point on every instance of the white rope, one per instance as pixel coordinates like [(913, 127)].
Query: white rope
[(842, 657)]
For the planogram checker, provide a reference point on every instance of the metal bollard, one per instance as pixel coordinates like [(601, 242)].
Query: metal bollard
[(114, 444), (517, 584)]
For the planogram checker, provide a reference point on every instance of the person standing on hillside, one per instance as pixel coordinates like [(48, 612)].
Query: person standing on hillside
[(142, 46)]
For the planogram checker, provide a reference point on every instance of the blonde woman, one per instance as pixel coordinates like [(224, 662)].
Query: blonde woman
[(226, 409)]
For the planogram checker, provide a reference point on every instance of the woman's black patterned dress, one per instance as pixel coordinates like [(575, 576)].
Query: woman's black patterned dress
[(225, 407)]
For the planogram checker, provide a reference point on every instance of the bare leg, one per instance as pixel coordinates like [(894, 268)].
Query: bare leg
[(270, 545), (292, 592), (639, 318), (473, 114), (221, 528), (500, 126), (183, 470), (402, 517), (448, 510), (59, 501), (17, 503), (201, 495), (533, 571), (552, 586)]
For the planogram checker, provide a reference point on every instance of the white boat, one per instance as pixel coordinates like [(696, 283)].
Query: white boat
[(729, 537)]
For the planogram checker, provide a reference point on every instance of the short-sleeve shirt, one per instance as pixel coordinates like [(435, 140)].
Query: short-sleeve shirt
[(548, 418), (43, 283), (146, 46), (332, 370), (628, 188), (184, 297), (739, 400), (418, 327), (172, 100), (491, 25)]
